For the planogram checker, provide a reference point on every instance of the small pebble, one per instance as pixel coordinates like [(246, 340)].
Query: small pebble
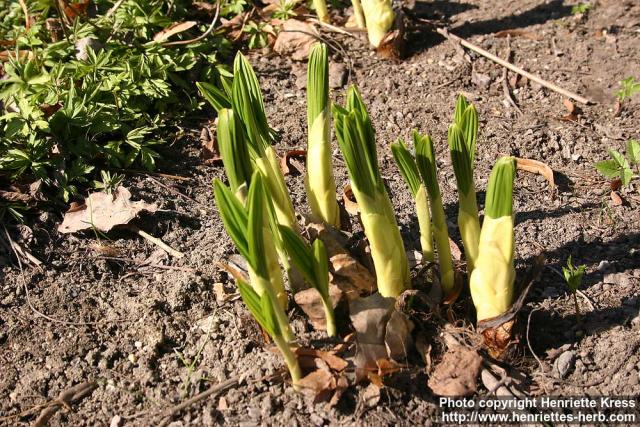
[(564, 363)]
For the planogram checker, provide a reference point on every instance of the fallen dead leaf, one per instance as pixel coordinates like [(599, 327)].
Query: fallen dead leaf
[(371, 395), (535, 166), (616, 200), (295, 39), (341, 385), (349, 200), (456, 373), (286, 161), (392, 46), (209, 153), (351, 277), (310, 302), (572, 111), (220, 292), (369, 317), (173, 29), (222, 404), (103, 212), (74, 10), (318, 384), (615, 184), (333, 239), (518, 33), (397, 337), (334, 362), (387, 367)]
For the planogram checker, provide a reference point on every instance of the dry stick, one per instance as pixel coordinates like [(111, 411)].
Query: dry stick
[(174, 191), (65, 398), (144, 264), (25, 10), (156, 241), (544, 375), (113, 8), (201, 36), (514, 68), (331, 27), (505, 83)]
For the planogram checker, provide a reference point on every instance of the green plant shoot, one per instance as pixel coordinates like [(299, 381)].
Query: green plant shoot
[(426, 162), (409, 171), (357, 142), (619, 166), (573, 276), (313, 263), (379, 19), (253, 239), (493, 278), (462, 146), (319, 180), (628, 88)]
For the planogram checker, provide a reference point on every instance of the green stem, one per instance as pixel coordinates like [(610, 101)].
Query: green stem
[(281, 316), (469, 227), (291, 361), (575, 301), (329, 317), (424, 223), (359, 14), (441, 234)]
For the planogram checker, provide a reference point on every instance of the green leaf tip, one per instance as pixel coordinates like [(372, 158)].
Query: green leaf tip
[(426, 161), (461, 159), (499, 199), (406, 165), (233, 149), (317, 81)]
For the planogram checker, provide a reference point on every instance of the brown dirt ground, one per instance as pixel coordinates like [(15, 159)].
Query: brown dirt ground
[(143, 345)]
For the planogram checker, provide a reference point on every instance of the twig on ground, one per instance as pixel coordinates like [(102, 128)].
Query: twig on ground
[(145, 264), (505, 82), (65, 398), (168, 415), (331, 27), (514, 68), (201, 36), (174, 253), (20, 251), (542, 367), (174, 191)]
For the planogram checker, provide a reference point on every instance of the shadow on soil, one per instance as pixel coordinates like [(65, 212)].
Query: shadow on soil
[(424, 35)]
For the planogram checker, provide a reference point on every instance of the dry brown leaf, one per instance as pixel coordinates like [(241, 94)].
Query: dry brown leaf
[(345, 344), (351, 277), (349, 200), (518, 33), (310, 302), (456, 253), (392, 46), (286, 161), (295, 39), (371, 395), (210, 153), (498, 338), (398, 336), (535, 166), (102, 211), (318, 384), (341, 385), (221, 293), (616, 200), (388, 367), (333, 239), (334, 362), (572, 111), (456, 373), (222, 404), (74, 10), (369, 317), (5, 55), (172, 30)]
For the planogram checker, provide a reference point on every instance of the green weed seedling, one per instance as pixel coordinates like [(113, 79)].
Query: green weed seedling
[(581, 8), (620, 166), (628, 88), (573, 276)]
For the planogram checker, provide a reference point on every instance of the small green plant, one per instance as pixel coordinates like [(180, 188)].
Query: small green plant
[(628, 88), (258, 35), (109, 182), (581, 8), (573, 276), (620, 166), (285, 10)]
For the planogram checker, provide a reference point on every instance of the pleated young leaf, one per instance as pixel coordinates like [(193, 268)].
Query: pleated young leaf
[(321, 268), (426, 162), (469, 126), (269, 314), (356, 139), (255, 235), (217, 98), (461, 106), (234, 217), (461, 159), (406, 165), (247, 101), (319, 180), (233, 149), (254, 303)]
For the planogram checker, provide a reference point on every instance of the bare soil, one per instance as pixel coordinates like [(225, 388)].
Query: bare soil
[(141, 332)]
